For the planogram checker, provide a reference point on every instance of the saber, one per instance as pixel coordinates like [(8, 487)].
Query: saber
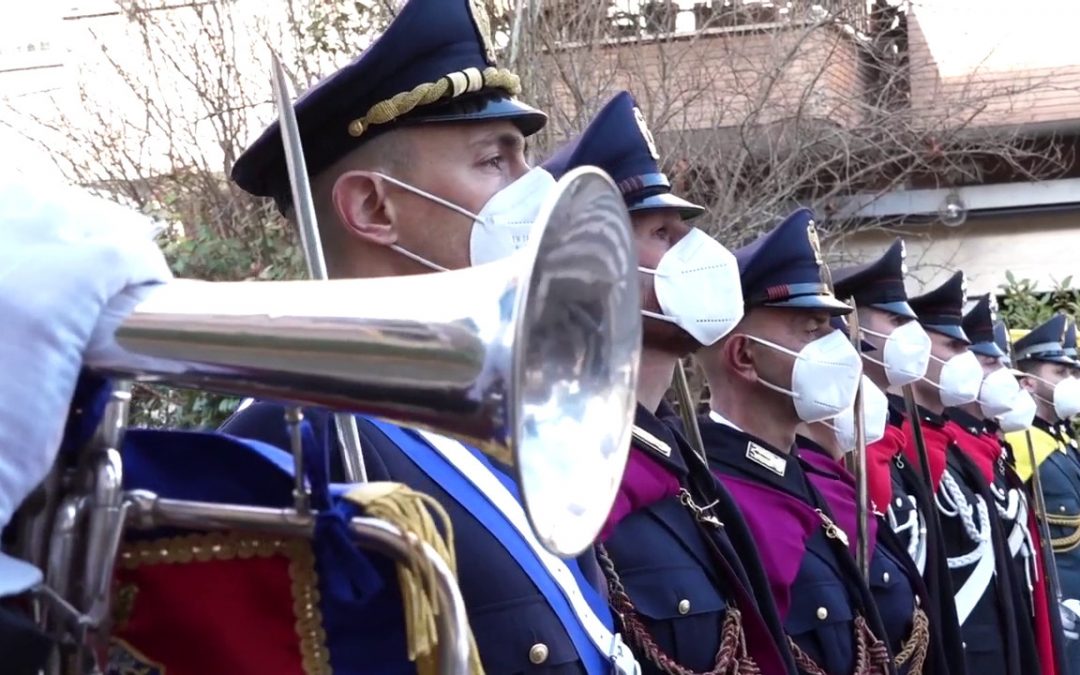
[(1053, 583), (348, 434), (687, 410), (862, 496)]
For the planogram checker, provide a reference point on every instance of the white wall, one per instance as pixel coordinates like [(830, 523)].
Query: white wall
[(1044, 248)]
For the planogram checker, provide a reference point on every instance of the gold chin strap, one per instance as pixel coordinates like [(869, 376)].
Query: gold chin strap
[(413, 512), (450, 86)]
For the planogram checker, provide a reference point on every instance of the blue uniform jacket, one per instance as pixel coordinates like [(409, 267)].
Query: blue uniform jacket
[(1060, 476), (682, 575), (1019, 603), (913, 506), (897, 588), (509, 616), (828, 593), (990, 637)]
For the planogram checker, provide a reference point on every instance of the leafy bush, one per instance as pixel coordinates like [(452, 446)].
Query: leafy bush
[(260, 245), (1022, 307)]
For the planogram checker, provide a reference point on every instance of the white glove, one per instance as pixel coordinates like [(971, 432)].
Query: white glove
[(1070, 618), (69, 262)]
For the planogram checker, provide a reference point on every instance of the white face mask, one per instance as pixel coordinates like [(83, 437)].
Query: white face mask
[(697, 285), (503, 224), (1022, 414), (960, 379), (875, 417), (906, 353), (1066, 396), (998, 393), (824, 378)]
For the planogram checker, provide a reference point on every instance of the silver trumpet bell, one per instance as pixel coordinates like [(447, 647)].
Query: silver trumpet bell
[(532, 359)]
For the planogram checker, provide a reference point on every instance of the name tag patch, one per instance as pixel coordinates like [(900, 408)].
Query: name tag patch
[(770, 460)]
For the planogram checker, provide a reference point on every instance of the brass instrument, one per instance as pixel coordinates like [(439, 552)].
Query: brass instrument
[(533, 360)]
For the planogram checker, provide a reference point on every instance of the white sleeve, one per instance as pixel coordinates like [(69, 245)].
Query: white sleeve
[(69, 260)]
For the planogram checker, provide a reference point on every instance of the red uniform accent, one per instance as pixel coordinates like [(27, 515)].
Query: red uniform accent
[(232, 616), (984, 449), (937, 443), (879, 459), (1043, 633)]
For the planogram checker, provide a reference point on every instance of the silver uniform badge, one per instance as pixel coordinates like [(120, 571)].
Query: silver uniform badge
[(766, 458)]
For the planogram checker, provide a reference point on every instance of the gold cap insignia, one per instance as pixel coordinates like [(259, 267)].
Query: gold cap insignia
[(482, 21), (645, 133)]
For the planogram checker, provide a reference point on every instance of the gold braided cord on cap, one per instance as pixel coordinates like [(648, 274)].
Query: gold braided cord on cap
[(427, 93), (411, 512)]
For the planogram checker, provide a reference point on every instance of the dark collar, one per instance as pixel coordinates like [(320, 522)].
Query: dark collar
[(927, 417), (737, 453), (897, 410), (973, 425), (659, 441), (1048, 427)]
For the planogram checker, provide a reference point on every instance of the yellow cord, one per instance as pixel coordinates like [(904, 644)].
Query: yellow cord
[(413, 512)]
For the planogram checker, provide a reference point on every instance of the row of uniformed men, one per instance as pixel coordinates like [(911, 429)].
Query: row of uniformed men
[(739, 561)]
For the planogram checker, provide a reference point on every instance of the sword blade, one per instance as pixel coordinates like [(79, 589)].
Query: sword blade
[(304, 207)]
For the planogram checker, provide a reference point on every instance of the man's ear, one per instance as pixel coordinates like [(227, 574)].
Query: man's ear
[(1027, 383), (364, 208), (740, 356)]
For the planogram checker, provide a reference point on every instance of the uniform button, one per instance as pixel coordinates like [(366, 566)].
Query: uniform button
[(822, 613), (538, 653), (1061, 508), (684, 606), (963, 645), (899, 502), (885, 577)]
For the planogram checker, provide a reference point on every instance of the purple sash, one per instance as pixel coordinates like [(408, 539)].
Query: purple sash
[(837, 486), (781, 525)]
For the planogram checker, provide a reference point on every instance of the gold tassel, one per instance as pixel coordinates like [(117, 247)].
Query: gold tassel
[(413, 512)]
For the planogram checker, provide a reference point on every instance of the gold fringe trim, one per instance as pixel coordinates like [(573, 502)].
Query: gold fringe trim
[(125, 659), (427, 93), (415, 513), (314, 654)]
